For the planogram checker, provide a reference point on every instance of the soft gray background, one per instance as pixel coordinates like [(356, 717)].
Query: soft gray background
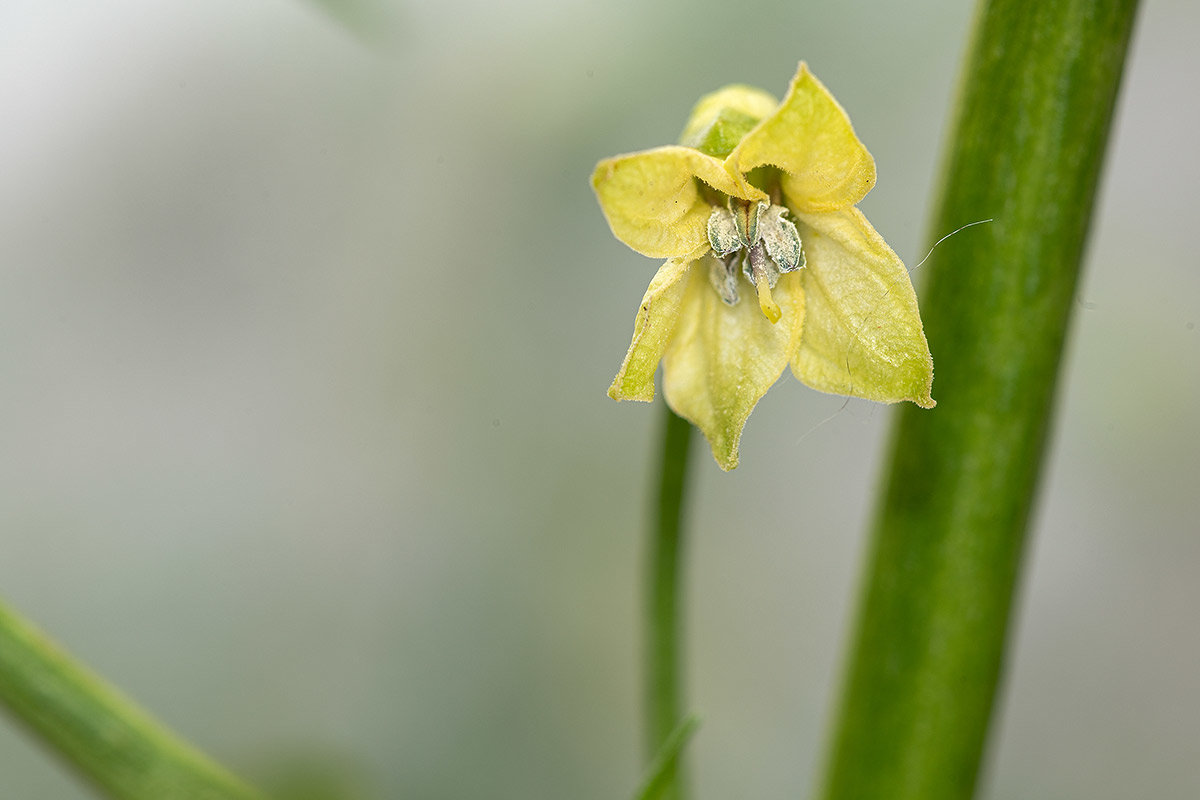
[(303, 434)]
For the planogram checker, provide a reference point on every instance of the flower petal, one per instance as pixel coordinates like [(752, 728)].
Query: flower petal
[(810, 138), (722, 359), (654, 204), (863, 335), (652, 330)]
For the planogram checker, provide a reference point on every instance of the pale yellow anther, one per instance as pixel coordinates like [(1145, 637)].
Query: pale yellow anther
[(767, 303)]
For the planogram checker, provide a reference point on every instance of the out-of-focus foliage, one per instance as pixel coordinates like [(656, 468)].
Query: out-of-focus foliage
[(303, 429), (376, 22)]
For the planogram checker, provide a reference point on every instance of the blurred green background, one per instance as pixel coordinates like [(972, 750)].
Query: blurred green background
[(307, 313)]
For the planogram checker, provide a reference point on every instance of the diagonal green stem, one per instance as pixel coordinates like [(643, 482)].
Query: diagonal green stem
[(661, 773), (110, 741), (663, 624), (1038, 95)]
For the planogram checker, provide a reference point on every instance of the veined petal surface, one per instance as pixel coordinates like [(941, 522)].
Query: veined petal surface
[(722, 359), (810, 138), (863, 336)]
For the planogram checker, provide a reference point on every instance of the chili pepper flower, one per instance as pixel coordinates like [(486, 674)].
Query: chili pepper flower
[(768, 262)]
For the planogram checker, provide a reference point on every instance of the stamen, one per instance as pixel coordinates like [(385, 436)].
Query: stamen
[(722, 232), (722, 272), (781, 240), (757, 235), (745, 219)]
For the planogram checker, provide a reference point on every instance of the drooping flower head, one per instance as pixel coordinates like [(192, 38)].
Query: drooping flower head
[(768, 263)]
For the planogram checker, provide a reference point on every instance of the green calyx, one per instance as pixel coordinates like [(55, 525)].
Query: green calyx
[(722, 133), (723, 118)]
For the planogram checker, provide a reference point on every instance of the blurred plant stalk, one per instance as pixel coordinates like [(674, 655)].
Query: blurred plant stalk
[(666, 728), (1035, 110), (114, 744)]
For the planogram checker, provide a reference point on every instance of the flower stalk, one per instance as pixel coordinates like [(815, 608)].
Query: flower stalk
[(1038, 95), (664, 624)]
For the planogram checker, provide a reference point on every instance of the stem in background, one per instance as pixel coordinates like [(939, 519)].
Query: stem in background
[(1038, 95), (663, 625), (103, 735)]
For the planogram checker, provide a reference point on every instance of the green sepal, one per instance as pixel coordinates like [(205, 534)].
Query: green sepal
[(721, 119)]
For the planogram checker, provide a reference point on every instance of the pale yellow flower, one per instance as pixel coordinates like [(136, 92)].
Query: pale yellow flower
[(758, 200)]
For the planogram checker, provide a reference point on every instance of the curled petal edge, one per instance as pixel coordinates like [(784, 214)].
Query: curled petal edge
[(652, 331), (653, 200)]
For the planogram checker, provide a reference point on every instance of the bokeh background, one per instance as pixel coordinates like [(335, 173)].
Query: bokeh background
[(307, 313)]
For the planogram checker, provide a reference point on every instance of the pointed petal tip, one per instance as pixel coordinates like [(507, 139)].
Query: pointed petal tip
[(810, 138), (723, 442), (724, 448), (617, 392), (921, 397)]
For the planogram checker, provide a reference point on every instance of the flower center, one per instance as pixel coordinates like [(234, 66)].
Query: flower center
[(762, 241)]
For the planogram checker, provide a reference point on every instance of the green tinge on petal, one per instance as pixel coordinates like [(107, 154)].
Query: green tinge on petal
[(863, 335), (722, 359), (653, 203), (810, 138), (652, 330), (720, 119)]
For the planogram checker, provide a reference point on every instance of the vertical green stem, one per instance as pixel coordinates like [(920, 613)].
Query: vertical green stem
[(109, 740), (663, 624), (1037, 101)]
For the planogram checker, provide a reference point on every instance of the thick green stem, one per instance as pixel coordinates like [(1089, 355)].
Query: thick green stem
[(1037, 101), (663, 624), (109, 740)]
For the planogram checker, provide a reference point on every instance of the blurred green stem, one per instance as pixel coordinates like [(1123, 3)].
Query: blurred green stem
[(103, 735), (1034, 115), (663, 625)]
